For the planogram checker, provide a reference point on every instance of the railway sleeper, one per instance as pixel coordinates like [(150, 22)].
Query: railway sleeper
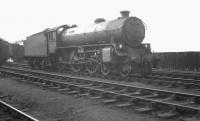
[(64, 89), (124, 104), (152, 95), (144, 107), (84, 94), (72, 92), (110, 87), (109, 101), (192, 118), (134, 92), (55, 87), (169, 98), (95, 97), (93, 94), (167, 114), (121, 90), (47, 85), (165, 111)]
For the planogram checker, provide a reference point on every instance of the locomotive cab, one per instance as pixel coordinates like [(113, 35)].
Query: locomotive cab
[(53, 39)]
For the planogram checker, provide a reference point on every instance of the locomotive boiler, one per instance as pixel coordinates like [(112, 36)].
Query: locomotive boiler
[(105, 47), (125, 30)]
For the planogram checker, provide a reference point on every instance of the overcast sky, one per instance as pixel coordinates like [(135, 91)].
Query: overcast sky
[(172, 25)]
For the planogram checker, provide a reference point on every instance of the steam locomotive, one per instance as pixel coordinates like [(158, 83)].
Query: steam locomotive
[(106, 47)]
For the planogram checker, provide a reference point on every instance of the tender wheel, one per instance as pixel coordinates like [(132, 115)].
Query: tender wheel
[(105, 69), (60, 67), (92, 67), (125, 69), (37, 64), (45, 64), (31, 63), (76, 67)]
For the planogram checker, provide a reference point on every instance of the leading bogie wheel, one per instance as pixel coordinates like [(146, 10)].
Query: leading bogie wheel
[(60, 67), (105, 69)]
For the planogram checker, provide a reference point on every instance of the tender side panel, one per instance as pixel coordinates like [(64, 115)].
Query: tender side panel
[(36, 46)]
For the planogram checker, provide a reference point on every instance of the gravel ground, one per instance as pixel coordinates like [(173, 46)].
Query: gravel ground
[(47, 105)]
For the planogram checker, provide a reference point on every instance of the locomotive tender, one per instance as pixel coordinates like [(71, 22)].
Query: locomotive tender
[(103, 47)]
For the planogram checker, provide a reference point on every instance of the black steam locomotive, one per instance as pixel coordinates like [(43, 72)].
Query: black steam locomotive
[(103, 47)]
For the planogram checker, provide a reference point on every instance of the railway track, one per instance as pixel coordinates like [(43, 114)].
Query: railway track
[(23, 65), (10, 113), (154, 80), (177, 74), (173, 79), (162, 103), (161, 81), (185, 79), (171, 82)]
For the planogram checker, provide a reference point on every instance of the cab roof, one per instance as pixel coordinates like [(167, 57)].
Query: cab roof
[(55, 28)]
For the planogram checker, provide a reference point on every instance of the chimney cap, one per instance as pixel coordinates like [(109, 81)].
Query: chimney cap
[(125, 13)]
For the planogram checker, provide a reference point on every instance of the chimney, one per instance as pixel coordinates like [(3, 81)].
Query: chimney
[(125, 14)]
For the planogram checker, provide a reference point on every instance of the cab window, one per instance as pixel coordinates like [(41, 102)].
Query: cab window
[(51, 36)]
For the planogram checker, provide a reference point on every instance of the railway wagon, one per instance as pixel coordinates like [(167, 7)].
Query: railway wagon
[(4, 51), (178, 60), (106, 46), (17, 52)]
